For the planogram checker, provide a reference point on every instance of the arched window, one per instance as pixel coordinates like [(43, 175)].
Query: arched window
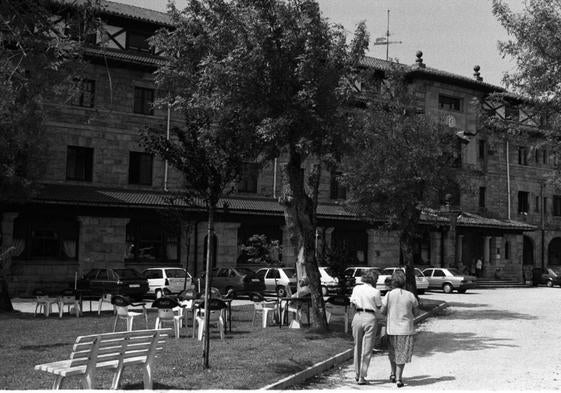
[(507, 249)]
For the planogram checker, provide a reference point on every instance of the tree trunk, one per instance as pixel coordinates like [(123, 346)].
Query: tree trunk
[(406, 243), (5, 301), (209, 263), (298, 213)]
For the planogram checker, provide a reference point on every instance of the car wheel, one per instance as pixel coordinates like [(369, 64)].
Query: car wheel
[(549, 283), (166, 292), (447, 288), (158, 293), (256, 297), (462, 290), (281, 291), (324, 290)]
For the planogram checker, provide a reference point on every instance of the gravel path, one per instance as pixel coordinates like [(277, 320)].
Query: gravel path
[(488, 339)]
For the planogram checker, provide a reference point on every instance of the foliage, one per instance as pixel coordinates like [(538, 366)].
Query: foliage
[(260, 250), (535, 47), (403, 163), (39, 59), (338, 259)]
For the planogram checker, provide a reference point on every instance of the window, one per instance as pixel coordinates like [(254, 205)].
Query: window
[(522, 155), (337, 190), (140, 168), (482, 150), (248, 178), (449, 103), (272, 274), (511, 112), (557, 205), (544, 206), (507, 249), (85, 94), (482, 197), (438, 273), (522, 202), (79, 163), (148, 241), (143, 100), (544, 157), (46, 238), (138, 41)]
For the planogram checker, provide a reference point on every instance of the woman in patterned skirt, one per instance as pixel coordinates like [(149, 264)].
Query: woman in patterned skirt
[(400, 306)]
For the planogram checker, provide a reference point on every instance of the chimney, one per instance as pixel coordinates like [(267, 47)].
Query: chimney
[(476, 74)]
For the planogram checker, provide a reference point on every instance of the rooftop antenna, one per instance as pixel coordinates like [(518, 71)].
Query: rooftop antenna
[(386, 40)]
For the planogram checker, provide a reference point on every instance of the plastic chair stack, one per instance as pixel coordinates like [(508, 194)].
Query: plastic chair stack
[(122, 304), (168, 312), (68, 298), (43, 303), (338, 305), (266, 309), (217, 309)]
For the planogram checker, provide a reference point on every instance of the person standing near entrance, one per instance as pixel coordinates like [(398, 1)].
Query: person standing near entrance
[(478, 267), (400, 306), (367, 301)]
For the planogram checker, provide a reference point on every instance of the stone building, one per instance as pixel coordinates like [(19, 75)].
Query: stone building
[(105, 202)]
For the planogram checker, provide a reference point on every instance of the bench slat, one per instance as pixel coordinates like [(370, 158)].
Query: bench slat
[(64, 369)]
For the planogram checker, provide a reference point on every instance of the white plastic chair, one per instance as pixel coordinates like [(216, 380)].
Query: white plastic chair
[(122, 304), (217, 309), (338, 305), (68, 298), (265, 309), (106, 297), (43, 303), (167, 308)]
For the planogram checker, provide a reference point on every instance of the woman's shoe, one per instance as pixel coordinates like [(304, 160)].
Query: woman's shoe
[(399, 384), (362, 381), (392, 378)]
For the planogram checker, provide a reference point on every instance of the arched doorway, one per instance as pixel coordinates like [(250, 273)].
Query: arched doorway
[(554, 252)]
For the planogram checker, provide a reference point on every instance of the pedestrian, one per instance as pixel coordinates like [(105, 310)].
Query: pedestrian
[(478, 267), (400, 307), (368, 302)]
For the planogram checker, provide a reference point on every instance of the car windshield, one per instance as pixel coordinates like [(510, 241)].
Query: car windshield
[(127, 274), (176, 273), (454, 271), (243, 270), (290, 273), (555, 271)]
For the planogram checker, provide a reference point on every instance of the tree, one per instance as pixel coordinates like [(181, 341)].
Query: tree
[(404, 163), (308, 64), (40, 55), (535, 47), (212, 81)]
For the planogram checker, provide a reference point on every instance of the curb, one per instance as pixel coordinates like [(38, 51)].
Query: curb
[(333, 361)]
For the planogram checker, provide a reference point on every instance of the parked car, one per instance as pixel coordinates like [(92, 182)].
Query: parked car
[(278, 279), (549, 276), (329, 284), (449, 279), (421, 281), (125, 281), (355, 273), (167, 280), (241, 281)]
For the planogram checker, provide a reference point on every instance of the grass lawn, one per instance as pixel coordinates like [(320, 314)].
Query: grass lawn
[(249, 357)]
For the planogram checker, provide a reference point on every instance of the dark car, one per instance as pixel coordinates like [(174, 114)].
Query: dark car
[(241, 281), (549, 276), (125, 281)]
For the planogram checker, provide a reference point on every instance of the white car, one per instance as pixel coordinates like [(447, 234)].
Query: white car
[(329, 284), (279, 280), (356, 272), (420, 280), (167, 280)]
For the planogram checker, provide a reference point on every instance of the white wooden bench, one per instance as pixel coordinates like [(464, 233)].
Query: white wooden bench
[(109, 351)]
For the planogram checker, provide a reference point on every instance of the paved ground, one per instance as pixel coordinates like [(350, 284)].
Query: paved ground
[(489, 339)]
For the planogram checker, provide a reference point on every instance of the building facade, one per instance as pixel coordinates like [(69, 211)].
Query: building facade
[(106, 202)]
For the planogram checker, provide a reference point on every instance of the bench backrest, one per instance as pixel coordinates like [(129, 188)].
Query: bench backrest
[(105, 347)]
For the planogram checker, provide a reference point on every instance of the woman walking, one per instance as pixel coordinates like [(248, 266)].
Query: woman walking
[(367, 301), (400, 306)]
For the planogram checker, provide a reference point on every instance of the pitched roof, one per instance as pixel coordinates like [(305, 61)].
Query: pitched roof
[(126, 56), (63, 194)]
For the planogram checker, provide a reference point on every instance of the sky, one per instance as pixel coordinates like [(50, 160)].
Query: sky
[(454, 35)]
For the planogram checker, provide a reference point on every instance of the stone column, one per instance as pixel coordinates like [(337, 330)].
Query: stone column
[(435, 248), (459, 251), (329, 236), (486, 253)]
